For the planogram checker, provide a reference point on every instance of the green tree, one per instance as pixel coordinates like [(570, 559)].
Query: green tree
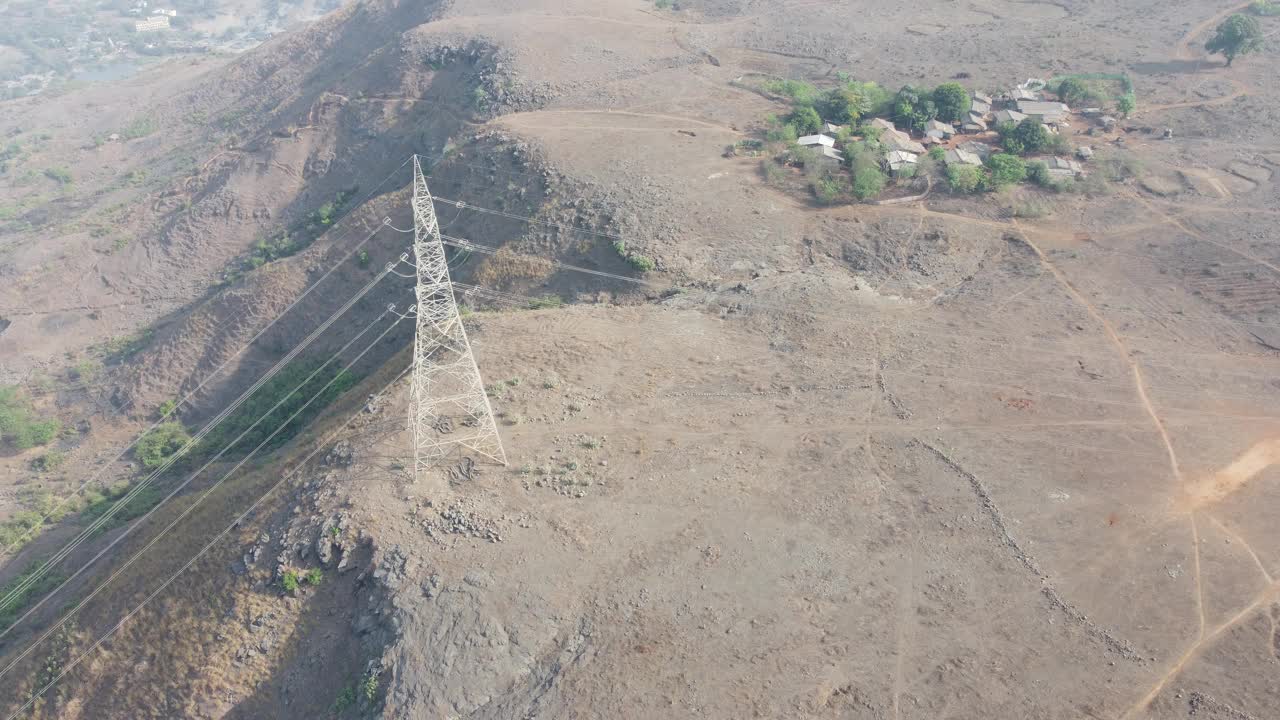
[(1073, 91), (868, 182), (913, 108), (1237, 35), (1006, 170), (805, 119), (1028, 136), (952, 101), (937, 152), (963, 178), (840, 106), (1126, 103)]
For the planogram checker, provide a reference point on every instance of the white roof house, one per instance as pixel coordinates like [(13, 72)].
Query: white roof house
[(823, 140), (833, 129), (1022, 93), (1046, 112), (962, 157), (980, 107), (829, 153), (152, 24), (1009, 116), (897, 159)]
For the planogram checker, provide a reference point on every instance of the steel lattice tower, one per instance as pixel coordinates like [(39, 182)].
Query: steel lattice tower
[(448, 407)]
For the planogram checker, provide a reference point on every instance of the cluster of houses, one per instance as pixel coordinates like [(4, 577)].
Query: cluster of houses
[(985, 114)]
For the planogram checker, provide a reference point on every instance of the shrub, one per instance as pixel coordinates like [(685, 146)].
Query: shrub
[(61, 175), (868, 182), (1126, 103), (20, 429), (289, 581), (642, 263), (160, 444), (826, 189), (363, 258), (773, 172), (952, 101), (1006, 170), (797, 90), (1074, 91), (1038, 173), (314, 576), (963, 178), (369, 686), (167, 408), (49, 461), (937, 153), (1264, 7)]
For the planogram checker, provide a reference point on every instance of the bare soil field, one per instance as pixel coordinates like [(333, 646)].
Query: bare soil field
[(928, 460)]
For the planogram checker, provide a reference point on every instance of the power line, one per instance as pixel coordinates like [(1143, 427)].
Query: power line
[(165, 417), (191, 443), (71, 665), (189, 509), (1046, 347), (515, 216)]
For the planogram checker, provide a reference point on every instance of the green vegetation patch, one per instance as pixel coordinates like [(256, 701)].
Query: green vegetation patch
[(293, 239), (11, 611), (280, 389), (20, 427), (160, 444)]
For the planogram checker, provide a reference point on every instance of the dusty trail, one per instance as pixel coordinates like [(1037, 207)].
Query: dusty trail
[(1260, 599), (1183, 50), (1223, 483), (1204, 238), (530, 120), (1140, 384)]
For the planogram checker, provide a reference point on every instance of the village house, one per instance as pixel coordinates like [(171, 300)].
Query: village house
[(1009, 116), (898, 159), (829, 154), (152, 24), (939, 130), (982, 150), (1049, 113), (832, 129), (818, 140), (1063, 167), (961, 157)]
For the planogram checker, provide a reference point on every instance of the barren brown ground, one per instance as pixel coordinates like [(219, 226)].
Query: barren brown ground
[(918, 461)]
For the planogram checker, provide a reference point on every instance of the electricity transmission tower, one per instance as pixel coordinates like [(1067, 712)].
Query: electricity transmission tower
[(448, 407)]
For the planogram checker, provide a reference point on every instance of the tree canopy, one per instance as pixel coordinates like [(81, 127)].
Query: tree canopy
[(952, 101), (806, 119), (841, 106), (1073, 91), (913, 108), (1237, 35), (1006, 169), (1027, 137)]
